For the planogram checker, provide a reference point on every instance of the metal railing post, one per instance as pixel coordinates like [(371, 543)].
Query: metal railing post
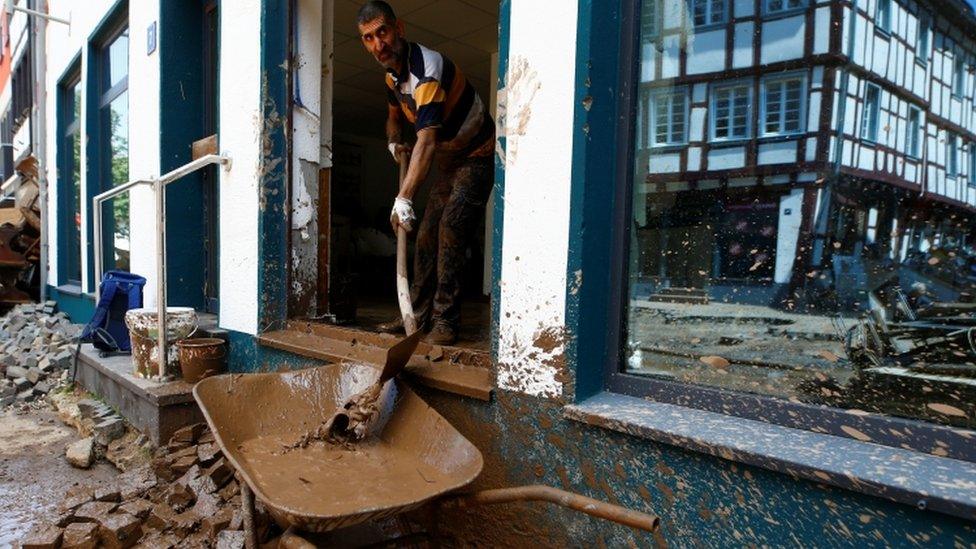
[(159, 190), (161, 342)]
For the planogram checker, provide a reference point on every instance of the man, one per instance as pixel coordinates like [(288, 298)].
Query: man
[(452, 124)]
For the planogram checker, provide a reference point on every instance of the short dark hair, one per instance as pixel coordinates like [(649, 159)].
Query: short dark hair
[(374, 9)]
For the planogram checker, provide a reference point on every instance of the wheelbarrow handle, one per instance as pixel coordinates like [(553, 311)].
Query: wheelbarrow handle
[(577, 502)]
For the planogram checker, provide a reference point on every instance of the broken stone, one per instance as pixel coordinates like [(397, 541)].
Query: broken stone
[(34, 375), (220, 472), (94, 511), (120, 531), (230, 539), (108, 430), (44, 387), (229, 491), (161, 517), (159, 541), (212, 524), (179, 497), (7, 391), (189, 434), (138, 508), (81, 453), (30, 361), (208, 453), (182, 465), (43, 536), (27, 395), (202, 485), (80, 535), (20, 385), (87, 407), (76, 496), (206, 438), (107, 493), (14, 372), (164, 469)]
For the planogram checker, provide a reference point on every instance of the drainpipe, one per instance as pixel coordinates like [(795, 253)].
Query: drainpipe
[(39, 127)]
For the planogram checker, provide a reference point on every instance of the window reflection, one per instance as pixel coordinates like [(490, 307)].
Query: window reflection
[(803, 227)]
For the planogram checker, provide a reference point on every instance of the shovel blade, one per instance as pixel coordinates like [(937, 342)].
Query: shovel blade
[(398, 355)]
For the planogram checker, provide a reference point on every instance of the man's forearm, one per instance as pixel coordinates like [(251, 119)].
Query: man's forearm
[(420, 161), (393, 129)]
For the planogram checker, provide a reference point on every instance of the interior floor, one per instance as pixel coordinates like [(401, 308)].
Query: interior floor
[(475, 320)]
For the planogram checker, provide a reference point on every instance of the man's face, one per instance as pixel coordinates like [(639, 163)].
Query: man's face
[(384, 41)]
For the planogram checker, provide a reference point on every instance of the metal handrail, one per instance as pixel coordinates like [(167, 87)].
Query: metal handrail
[(158, 185)]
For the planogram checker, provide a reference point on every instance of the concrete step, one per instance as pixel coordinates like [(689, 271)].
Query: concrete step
[(454, 369), (157, 409)]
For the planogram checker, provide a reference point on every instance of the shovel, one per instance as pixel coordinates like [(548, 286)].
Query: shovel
[(354, 418)]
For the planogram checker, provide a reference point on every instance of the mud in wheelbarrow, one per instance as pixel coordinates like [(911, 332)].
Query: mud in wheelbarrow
[(415, 456), (258, 418)]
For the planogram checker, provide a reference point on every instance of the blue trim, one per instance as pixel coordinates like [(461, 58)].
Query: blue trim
[(79, 307), (273, 200), (93, 134), (64, 208), (593, 186), (498, 211), (180, 124), (246, 355)]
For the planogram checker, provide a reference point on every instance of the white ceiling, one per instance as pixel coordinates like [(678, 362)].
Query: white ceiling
[(466, 31)]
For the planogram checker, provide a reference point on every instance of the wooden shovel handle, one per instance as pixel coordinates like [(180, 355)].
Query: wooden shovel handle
[(402, 280)]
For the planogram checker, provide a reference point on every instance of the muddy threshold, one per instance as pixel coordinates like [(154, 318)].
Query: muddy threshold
[(413, 455)]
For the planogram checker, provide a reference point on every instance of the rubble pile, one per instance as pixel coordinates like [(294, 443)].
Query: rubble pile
[(186, 497), (36, 351), (104, 433)]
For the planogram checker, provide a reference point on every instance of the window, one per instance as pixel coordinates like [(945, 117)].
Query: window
[(739, 287), (648, 20), (781, 6), (669, 116), (958, 76), (882, 15), (708, 12), (972, 164), (922, 37), (782, 105), (69, 178), (871, 113), (731, 107), (952, 154), (914, 130), (113, 131)]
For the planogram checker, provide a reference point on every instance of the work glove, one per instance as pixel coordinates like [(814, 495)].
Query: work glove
[(397, 148), (402, 214)]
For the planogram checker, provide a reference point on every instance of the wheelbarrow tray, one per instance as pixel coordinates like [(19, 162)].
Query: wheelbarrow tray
[(413, 454)]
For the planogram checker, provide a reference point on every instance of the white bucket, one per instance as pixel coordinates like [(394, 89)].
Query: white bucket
[(143, 329)]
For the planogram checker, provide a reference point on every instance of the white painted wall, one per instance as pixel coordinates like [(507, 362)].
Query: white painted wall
[(790, 218), (63, 44), (538, 106), (241, 122)]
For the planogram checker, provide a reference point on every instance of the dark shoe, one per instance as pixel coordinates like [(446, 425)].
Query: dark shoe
[(443, 333), (392, 327)]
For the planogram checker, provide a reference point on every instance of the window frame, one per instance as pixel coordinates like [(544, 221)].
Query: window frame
[(609, 305), (971, 181), (72, 77), (652, 116), (712, 119), (655, 22), (804, 91), (913, 140), (870, 126), (107, 92), (958, 76), (804, 4), (709, 16), (882, 21), (952, 155), (923, 29)]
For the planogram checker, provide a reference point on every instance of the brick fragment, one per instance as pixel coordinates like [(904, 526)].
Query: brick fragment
[(138, 508), (94, 511), (189, 434), (76, 496), (43, 536), (208, 453), (107, 493), (80, 535), (120, 531)]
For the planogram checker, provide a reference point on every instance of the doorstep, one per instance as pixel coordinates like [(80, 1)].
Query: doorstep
[(156, 408), (459, 370)]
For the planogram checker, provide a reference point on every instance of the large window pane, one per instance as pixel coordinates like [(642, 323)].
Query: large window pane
[(118, 59), (119, 159), (796, 231)]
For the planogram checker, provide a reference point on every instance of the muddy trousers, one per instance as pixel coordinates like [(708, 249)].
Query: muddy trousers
[(453, 214)]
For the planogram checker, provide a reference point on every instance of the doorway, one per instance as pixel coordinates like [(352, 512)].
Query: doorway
[(364, 178)]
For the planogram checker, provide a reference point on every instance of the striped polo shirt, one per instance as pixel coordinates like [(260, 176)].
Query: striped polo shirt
[(433, 93)]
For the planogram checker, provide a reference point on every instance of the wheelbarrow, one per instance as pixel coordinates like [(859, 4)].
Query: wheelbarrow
[(414, 457)]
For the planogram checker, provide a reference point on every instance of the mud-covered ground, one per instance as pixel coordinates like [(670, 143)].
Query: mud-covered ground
[(741, 347), (34, 473)]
